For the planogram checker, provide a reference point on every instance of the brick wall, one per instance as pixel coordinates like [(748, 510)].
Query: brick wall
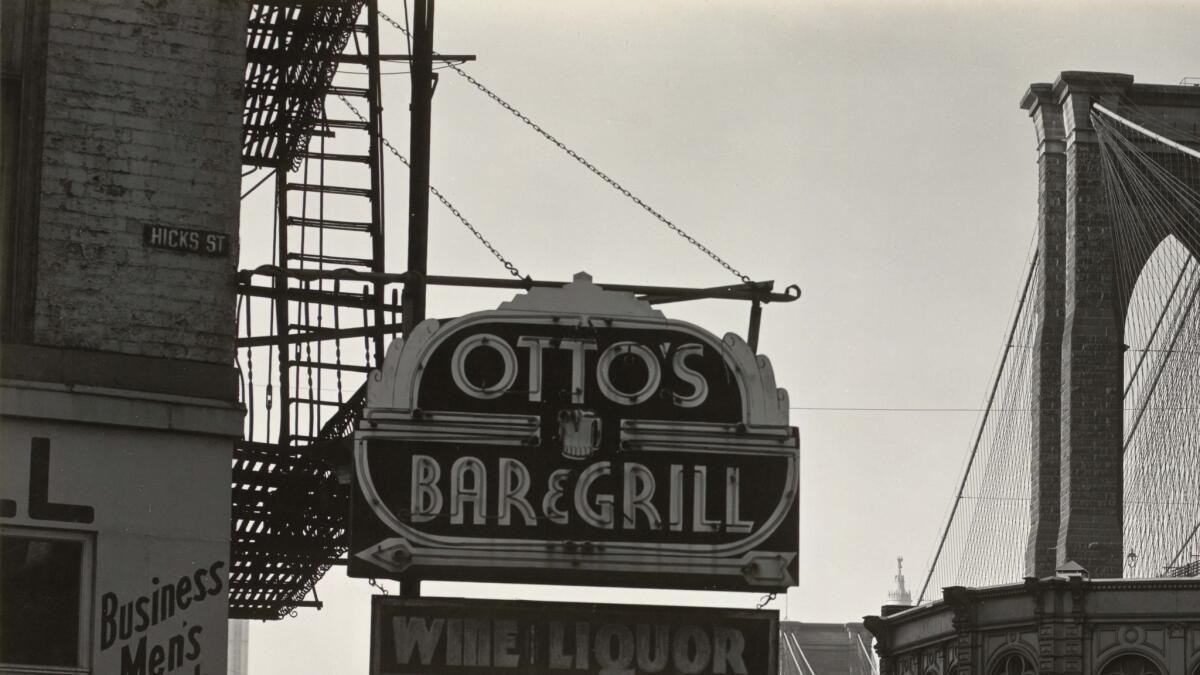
[(1046, 371), (1091, 511), (142, 126), (1092, 467)]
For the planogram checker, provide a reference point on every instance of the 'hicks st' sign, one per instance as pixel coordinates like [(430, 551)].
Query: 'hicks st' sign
[(576, 436)]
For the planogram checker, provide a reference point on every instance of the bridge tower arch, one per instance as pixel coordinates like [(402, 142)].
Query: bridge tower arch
[(1076, 505)]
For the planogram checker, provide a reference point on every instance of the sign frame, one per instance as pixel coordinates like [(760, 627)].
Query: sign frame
[(397, 420), (541, 615)]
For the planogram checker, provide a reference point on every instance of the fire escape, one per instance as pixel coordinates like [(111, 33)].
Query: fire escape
[(313, 316), (316, 306)]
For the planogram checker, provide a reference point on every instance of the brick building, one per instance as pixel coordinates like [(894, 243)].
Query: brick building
[(121, 170)]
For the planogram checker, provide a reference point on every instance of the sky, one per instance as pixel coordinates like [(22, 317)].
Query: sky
[(873, 153)]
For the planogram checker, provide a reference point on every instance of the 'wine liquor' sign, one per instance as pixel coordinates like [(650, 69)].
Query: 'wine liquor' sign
[(576, 436)]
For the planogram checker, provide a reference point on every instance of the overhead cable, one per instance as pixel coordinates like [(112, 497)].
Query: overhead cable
[(585, 163), (512, 269)]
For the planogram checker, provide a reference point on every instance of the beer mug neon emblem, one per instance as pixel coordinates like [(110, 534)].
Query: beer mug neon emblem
[(580, 433)]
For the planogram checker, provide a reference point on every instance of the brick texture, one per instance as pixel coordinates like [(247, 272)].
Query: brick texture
[(1046, 371), (1092, 467), (143, 126), (1091, 511)]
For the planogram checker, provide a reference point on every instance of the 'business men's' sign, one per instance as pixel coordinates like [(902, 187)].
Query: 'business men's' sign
[(576, 436), (432, 636)]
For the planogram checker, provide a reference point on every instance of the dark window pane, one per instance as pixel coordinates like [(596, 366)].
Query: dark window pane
[(39, 600), (12, 41), (10, 136), (12, 34)]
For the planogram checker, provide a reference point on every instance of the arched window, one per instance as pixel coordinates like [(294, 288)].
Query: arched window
[(1014, 663), (1130, 664)]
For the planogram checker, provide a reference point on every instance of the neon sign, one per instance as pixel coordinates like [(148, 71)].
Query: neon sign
[(576, 436)]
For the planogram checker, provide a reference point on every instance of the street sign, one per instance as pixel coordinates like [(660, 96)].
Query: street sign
[(186, 240), (435, 636), (576, 436)]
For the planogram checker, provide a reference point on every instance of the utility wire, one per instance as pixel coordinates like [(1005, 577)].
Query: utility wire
[(256, 185), (584, 162), (512, 269), (968, 410)]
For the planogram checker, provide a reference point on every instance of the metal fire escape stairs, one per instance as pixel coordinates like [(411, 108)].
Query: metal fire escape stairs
[(331, 217), (325, 308)]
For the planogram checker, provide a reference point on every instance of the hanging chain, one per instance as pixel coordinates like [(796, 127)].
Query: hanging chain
[(512, 269), (766, 600), (586, 164)]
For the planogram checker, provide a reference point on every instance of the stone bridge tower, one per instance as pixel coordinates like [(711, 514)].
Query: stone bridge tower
[(1077, 472), (1072, 623)]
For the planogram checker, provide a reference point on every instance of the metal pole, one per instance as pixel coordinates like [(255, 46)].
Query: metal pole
[(418, 186), (755, 322), (283, 396), (375, 122), (418, 189)]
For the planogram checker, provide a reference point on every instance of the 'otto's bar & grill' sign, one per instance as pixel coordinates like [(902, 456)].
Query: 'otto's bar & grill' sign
[(442, 637), (576, 436)]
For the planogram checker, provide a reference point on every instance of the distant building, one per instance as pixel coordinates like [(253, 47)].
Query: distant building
[(121, 136), (239, 647), (899, 596), (825, 649)]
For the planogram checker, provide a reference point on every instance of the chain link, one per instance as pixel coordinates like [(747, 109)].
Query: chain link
[(512, 269), (586, 164), (765, 600)]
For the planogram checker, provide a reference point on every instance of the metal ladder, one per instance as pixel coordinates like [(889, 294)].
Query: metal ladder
[(330, 215)]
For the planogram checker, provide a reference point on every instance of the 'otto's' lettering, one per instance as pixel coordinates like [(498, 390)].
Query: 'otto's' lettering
[(693, 392)]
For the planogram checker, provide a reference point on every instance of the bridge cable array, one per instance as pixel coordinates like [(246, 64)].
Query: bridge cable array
[(1152, 184), (1151, 178)]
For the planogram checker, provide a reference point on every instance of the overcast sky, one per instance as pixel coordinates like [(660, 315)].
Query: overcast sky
[(872, 153)]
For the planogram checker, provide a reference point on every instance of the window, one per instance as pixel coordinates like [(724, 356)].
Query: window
[(1014, 663), (45, 599), (23, 36), (12, 23), (1130, 664)]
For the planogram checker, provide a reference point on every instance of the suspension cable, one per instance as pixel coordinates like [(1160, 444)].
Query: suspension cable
[(584, 162), (1158, 137), (512, 269), (958, 497)]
